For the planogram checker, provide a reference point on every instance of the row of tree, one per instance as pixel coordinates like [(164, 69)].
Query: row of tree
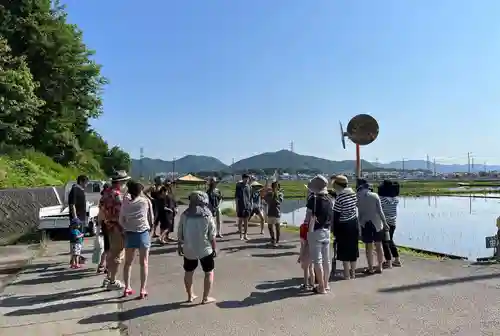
[(50, 88)]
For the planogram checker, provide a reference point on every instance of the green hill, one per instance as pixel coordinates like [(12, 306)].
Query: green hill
[(284, 159)]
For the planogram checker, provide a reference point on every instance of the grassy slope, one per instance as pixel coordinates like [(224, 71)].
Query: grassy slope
[(33, 169)]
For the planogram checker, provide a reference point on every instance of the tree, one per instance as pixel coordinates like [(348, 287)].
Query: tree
[(70, 82), (116, 159), (19, 105)]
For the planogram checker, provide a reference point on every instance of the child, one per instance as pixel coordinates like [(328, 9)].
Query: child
[(76, 243), (304, 258)]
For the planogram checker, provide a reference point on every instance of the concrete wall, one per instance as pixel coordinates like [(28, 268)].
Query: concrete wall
[(19, 209)]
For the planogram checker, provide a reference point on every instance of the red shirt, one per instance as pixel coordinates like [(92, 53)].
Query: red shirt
[(304, 229), (110, 204)]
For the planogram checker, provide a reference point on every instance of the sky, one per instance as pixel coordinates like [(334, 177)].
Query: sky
[(235, 78)]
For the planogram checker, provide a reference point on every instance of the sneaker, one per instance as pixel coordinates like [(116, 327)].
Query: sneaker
[(116, 285), (219, 235), (105, 283)]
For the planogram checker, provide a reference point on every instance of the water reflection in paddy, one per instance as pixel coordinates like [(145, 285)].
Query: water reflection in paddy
[(451, 225)]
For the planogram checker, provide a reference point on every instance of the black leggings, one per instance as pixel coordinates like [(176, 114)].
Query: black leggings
[(390, 249)]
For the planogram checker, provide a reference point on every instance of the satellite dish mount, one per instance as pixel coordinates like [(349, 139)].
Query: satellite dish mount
[(362, 130)]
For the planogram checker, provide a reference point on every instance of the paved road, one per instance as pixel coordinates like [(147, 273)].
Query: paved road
[(257, 294)]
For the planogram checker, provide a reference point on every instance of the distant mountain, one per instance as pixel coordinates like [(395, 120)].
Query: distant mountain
[(440, 168), (186, 164), (285, 159)]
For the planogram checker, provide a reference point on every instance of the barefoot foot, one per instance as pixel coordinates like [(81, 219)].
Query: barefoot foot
[(191, 298), (208, 300)]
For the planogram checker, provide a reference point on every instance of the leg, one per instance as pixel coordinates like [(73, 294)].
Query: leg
[(190, 266), (367, 235), (325, 253), (127, 267), (115, 257), (270, 226), (315, 245), (261, 218), (217, 222), (311, 274), (380, 255), (277, 227), (240, 227), (208, 266), (144, 258), (393, 247), (347, 270), (369, 255), (245, 226), (305, 268)]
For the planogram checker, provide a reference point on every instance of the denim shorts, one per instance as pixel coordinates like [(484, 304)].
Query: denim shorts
[(319, 245), (137, 240)]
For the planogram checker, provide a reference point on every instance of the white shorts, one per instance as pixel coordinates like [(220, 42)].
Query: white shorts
[(76, 249)]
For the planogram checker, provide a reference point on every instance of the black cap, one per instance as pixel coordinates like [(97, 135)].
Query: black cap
[(245, 176)]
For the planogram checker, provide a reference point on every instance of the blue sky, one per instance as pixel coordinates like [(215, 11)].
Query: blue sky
[(234, 78)]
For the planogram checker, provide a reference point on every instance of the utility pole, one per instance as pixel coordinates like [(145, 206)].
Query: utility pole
[(434, 167), (141, 163), (468, 162), (173, 168), (232, 170), (403, 165), (472, 163), (428, 163), (484, 166), (291, 147)]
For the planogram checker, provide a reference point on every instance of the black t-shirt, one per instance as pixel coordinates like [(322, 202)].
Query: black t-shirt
[(78, 199), (243, 196), (321, 207)]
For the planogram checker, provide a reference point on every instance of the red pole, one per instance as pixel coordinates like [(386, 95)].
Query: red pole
[(358, 162)]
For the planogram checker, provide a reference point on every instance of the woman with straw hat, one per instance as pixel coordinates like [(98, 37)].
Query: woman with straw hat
[(345, 225)]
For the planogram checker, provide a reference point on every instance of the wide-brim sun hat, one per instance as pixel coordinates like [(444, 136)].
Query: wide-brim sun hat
[(341, 179), (318, 184), (120, 176)]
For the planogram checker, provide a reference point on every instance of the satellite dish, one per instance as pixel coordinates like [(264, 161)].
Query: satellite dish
[(362, 129), (342, 135)]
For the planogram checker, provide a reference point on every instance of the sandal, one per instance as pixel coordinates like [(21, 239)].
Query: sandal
[(305, 287), (143, 295), (316, 291), (368, 271), (128, 292)]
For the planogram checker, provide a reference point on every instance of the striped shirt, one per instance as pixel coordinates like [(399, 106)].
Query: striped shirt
[(345, 204), (390, 209)]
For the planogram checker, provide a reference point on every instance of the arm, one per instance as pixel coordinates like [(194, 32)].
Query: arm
[(311, 208), (150, 214), (212, 232), (121, 217), (71, 202), (381, 212), (180, 229)]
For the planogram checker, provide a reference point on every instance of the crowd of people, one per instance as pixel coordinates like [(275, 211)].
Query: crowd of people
[(129, 216)]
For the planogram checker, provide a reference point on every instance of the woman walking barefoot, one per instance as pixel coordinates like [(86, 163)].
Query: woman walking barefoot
[(136, 218)]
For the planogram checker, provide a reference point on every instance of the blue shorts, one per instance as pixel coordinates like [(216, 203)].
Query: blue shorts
[(137, 239)]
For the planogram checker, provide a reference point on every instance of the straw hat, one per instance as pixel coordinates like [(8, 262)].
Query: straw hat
[(120, 176), (341, 179)]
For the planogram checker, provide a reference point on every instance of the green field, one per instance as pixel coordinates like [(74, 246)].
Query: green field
[(297, 190)]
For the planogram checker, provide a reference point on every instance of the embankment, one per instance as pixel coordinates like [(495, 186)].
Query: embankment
[(19, 211)]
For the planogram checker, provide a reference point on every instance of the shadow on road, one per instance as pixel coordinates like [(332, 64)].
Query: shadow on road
[(28, 300), (134, 313), (56, 277), (249, 246), (163, 250), (66, 306), (438, 283), (275, 255)]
